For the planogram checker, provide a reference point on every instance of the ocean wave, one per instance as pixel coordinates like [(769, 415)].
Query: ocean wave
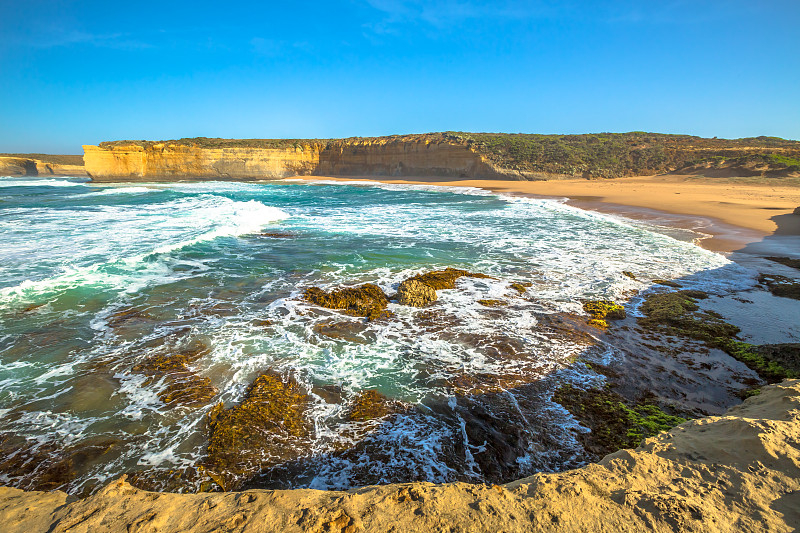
[(133, 236), (42, 182)]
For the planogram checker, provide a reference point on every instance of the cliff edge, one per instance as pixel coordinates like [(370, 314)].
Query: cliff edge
[(41, 165), (451, 155), (737, 472)]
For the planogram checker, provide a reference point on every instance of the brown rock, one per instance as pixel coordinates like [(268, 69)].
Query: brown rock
[(415, 293), (268, 427), (366, 300)]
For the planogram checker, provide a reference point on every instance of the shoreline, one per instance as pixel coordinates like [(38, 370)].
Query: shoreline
[(733, 215)]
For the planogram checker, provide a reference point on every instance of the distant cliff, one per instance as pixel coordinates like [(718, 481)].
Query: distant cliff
[(41, 165), (449, 155)]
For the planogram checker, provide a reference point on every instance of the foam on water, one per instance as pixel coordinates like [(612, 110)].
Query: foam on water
[(95, 282)]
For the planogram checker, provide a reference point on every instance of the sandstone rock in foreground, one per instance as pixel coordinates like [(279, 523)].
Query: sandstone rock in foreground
[(738, 472)]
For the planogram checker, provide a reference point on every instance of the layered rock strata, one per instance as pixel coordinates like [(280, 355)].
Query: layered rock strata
[(350, 157), (29, 166)]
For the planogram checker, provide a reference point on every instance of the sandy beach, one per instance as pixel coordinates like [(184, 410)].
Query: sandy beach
[(734, 214)]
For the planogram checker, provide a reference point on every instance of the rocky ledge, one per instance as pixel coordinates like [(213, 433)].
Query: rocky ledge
[(736, 472)]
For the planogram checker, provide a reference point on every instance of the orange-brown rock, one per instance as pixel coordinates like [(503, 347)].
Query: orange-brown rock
[(41, 165)]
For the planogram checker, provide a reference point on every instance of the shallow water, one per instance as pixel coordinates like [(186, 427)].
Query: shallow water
[(96, 278)]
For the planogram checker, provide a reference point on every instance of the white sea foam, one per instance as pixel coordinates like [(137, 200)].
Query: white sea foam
[(42, 182), (116, 256)]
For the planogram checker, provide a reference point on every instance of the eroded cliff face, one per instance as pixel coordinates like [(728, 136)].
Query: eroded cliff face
[(167, 161), (24, 166), (388, 156), (392, 157)]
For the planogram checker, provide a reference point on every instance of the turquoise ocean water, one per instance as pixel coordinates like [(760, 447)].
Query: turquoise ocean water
[(95, 278)]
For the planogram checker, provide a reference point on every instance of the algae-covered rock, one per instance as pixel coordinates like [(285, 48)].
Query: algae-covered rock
[(521, 286), (667, 283), (492, 303), (629, 274), (788, 261), (602, 311), (614, 424), (677, 313), (349, 331), (445, 279), (781, 285), (32, 465), (183, 386), (415, 293), (367, 300), (370, 405), (267, 428)]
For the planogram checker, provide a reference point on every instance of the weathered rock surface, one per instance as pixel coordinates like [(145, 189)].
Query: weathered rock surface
[(36, 166), (737, 472), (415, 293), (384, 156), (367, 300), (268, 427)]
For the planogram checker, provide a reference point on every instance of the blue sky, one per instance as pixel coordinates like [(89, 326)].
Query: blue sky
[(82, 72)]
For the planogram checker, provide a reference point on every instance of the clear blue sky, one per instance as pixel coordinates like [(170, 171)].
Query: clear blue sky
[(82, 72)]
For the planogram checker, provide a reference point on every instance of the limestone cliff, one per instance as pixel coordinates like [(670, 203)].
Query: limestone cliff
[(411, 155), (170, 161), (449, 155), (41, 165), (733, 473)]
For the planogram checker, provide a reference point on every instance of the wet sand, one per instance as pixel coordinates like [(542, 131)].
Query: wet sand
[(733, 214)]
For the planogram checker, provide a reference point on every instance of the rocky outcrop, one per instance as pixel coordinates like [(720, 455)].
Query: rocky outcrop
[(731, 473), (41, 166)]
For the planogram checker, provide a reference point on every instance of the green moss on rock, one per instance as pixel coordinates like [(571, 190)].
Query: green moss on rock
[(602, 311), (613, 423), (677, 313)]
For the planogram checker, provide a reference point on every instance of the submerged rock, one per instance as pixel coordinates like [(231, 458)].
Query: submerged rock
[(270, 426), (349, 331), (371, 405), (415, 293), (367, 300), (49, 466), (781, 285), (183, 387)]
